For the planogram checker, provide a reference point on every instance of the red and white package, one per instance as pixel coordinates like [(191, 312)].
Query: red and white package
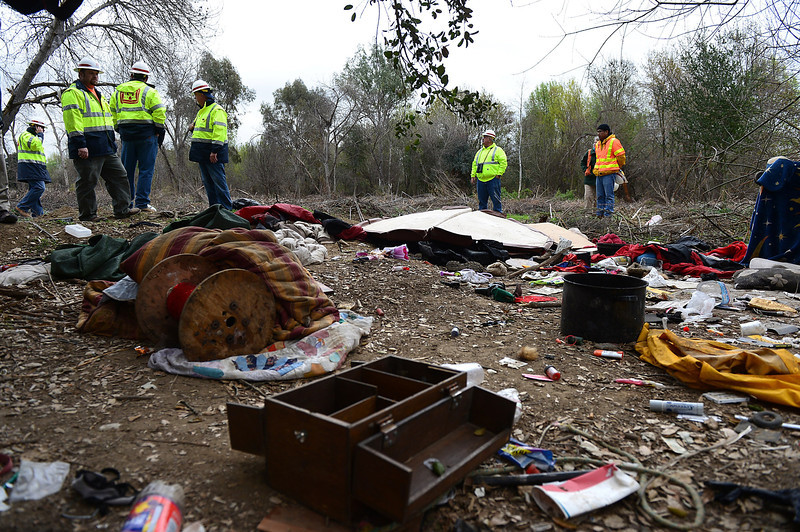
[(600, 488)]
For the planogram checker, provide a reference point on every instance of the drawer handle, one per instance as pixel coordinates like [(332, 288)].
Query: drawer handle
[(389, 430)]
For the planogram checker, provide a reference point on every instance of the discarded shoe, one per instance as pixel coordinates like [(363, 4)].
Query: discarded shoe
[(102, 489), (7, 217), (127, 214)]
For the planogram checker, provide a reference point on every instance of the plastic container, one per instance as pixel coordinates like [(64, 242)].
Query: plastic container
[(607, 354), (717, 290), (454, 332), (676, 407), (473, 369), (78, 231), (753, 327), (552, 372), (159, 508)]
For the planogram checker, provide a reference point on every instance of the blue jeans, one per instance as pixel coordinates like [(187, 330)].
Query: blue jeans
[(605, 195), (213, 176), (489, 189), (32, 201), (143, 152)]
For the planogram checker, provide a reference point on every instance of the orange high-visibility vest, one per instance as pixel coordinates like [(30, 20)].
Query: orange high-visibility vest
[(610, 156)]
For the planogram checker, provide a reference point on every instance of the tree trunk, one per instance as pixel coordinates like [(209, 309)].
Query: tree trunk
[(52, 40)]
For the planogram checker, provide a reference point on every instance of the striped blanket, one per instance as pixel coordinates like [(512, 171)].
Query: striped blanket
[(302, 307)]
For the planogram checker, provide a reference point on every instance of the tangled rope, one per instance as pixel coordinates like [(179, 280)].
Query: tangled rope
[(636, 466)]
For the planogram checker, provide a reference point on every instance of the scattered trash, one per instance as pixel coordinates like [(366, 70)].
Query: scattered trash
[(766, 420), (591, 491), (511, 363), (677, 407), (607, 354), (790, 426), (102, 489), (397, 252), (527, 352), (379, 311), (454, 332), (552, 372), (533, 377), (761, 303), (639, 382), (78, 231), (513, 394), (655, 220), (699, 307), (752, 328), (525, 456), (436, 466), (37, 480), (573, 340), (159, 508), (400, 268), (728, 492), (480, 492), (473, 369), (725, 398), (531, 479), (498, 269)]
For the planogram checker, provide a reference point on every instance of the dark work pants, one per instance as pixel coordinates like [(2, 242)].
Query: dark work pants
[(90, 171)]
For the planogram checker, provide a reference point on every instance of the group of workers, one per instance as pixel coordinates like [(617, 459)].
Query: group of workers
[(602, 166), (138, 114)]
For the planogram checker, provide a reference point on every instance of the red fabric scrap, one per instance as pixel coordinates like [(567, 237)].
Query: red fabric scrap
[(281, 211)]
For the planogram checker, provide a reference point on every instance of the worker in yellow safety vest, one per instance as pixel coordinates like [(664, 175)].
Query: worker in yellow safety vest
[(92, 146), (610, 160), (32, 169), (209, 146), (488, 166), (139, 114)]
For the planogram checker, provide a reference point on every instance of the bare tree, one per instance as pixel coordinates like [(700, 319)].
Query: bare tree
[(121, 28)]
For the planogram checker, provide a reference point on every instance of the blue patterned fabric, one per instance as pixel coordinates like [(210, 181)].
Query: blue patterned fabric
[(775, 226)]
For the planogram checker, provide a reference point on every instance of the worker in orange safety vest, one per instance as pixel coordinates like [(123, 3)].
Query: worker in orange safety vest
[(608, 166)]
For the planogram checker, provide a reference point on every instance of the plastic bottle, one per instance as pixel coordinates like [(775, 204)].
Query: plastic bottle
[(676, 407), (159, 508)]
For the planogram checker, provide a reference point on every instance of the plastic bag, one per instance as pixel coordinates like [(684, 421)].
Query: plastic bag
[(513, 394), (699, 307), (655, 279), (37, 480)]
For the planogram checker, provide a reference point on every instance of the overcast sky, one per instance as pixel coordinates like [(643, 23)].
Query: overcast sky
[(272, 43)]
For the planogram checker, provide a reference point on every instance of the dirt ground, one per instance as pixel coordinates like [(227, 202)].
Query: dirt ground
[(92, 401)]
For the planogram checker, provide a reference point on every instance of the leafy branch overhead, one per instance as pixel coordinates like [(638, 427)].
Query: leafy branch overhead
[(420, 55)]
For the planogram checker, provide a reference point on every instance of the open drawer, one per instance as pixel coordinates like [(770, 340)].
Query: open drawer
[(389, 471)]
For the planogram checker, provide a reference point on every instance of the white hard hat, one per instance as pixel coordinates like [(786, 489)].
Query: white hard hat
[(489, 133), (88, 63), (37, 122), (140, 67), (200, 85)]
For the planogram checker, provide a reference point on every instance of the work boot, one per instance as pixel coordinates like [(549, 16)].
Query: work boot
[(7, 217), (22, 213), (148, 208), (127, 214)]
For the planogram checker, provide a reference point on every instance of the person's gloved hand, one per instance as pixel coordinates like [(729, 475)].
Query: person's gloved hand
[(160, 136)]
